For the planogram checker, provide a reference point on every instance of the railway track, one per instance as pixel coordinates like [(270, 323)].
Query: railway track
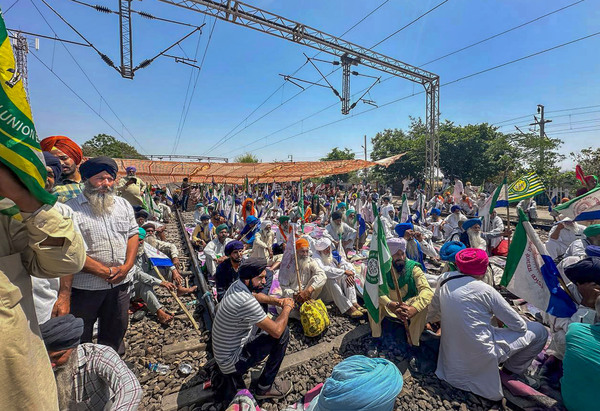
[(308, 361)]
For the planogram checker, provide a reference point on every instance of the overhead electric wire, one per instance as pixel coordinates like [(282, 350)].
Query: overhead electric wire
[(10, 7), (90, 81), (447, 55), (409, 24), (555, 111), (76, 43), (422, 92), (195, 84), (503, 32), (77, 95), (225, 138)]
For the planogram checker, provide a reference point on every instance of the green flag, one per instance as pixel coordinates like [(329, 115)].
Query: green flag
[(301, 205), (378, 264), (525, 187), (19, 146)]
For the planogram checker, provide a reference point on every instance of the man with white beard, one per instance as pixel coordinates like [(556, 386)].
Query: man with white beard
[(312, 278), (340, 280), (562, 235), (107, 223), (472, 236), (340, 231), (451, 224), (263, 242)]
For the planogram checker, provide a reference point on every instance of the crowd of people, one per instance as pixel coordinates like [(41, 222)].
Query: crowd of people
[(71, 271)]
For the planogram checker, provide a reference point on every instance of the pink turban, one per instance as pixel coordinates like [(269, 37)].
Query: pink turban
[(395, 244), (472, 261)]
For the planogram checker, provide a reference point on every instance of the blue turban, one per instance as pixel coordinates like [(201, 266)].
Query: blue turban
[(470, 223), (340, 205), (232, 246), (199, 205), (141, 233), (435, 211), (402, 227), (97, 165), (251, 219), (361, 383), (592, 251), (454, 208), (449, 250), (238, 201)]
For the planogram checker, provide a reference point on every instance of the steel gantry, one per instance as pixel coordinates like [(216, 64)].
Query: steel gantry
[(246, 15)]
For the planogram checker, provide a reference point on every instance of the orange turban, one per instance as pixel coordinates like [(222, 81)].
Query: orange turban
[(64, 144), (302, 243)]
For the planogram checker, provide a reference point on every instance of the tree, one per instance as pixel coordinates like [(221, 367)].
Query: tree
[(539, 154), (335, 155), (246, 158), (589, 160), (106, 145)]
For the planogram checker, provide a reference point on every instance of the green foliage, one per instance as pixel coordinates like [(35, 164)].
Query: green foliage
[(106, 145), (391, 142), (539, 154), (246, 158), (589, 160), (335, 155)]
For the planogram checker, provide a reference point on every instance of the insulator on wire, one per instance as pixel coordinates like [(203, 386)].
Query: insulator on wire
[(146, 15), (102, 9), (355, 73), (107, 59), (145, 63)]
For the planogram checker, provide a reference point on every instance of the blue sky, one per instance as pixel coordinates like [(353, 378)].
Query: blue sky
[(242, 66)]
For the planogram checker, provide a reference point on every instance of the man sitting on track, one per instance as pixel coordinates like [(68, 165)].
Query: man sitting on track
[(215, 249), (234, 347)]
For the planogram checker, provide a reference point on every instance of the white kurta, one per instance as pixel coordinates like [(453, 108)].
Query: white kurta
[(471, 348), (336, 288), (494, 236), (451, 224), (566, 237), (577, 248), (347, 232), (312, 275), (214, 250)]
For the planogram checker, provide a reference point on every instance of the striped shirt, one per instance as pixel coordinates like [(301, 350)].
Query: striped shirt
[(101, 376), (106, 238), (237, 313)]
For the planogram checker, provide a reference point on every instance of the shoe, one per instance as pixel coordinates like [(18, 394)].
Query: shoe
[(363, 310), (279, 389)]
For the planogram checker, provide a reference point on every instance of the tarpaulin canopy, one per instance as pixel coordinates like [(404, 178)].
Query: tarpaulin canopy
[(163, 172)]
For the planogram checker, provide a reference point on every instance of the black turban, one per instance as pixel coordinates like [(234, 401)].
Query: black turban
[(252, 267), (54, 163), (336, 215), (584, 271), (62, 333), (232, 246), (96, 165), (142, 213)]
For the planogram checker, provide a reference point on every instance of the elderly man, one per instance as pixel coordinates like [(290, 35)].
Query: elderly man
[(166, 214), (452, 223), (44, 244), (234, 348), (312, 278), (577, 247), (581, 365), (417, 243), (70, 156), (201, 234), (471, 347), (285, 230), (529, 206), (495, 231), (414, 296), (131, 187), (165, 247), (215, 249), (340, 280), (562, 235), (338, 231), (472, 236), (100, 291), (434, 223), (88, 376), (263, 241)]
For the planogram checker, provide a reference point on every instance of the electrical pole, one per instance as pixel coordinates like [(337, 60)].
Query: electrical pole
[(541, 122)]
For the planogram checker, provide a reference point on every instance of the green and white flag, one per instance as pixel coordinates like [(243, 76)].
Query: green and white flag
[(19, 146), (378, 265), (498, 199), (301, 205), (525, 187), (405, 210)]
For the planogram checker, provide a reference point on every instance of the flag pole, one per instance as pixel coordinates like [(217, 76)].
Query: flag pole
[(395, 279), (174, 295)]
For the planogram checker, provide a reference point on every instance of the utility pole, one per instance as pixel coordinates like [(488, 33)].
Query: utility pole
[(365, 148), (541, 122)]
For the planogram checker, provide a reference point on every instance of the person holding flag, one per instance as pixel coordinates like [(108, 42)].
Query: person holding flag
[(395, 287)]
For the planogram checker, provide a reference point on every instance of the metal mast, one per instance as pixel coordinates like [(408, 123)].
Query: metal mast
[(21, 48), (126, 48), (246, 15)]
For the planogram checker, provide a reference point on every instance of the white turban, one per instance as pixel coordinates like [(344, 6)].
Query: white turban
[(322, 243), (396, 244)]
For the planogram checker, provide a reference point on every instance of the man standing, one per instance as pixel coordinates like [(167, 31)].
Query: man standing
[(186, 189), (471, 347), (70, 155), (45, 245), (415, 295), (132, 188), (215, 249), (234, 348), (529, 206), (101, 290)]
